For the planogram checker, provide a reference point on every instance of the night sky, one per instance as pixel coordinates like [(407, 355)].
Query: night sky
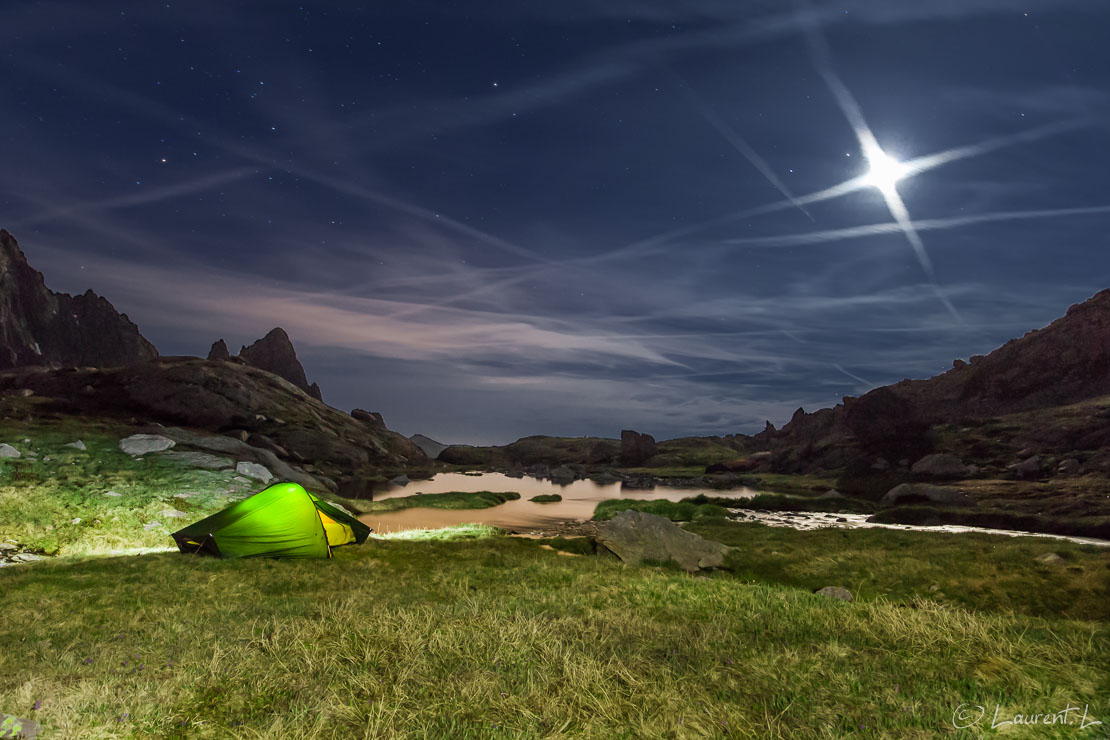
[(493, 219)]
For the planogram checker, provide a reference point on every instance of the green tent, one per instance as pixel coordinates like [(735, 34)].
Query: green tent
[(283, 521)]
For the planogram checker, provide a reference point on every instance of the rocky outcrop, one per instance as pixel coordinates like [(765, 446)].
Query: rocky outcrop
[(430, 447), (636, 448), (274, 353), (635, 536), (219, 351), (41, 327), (220, 396)]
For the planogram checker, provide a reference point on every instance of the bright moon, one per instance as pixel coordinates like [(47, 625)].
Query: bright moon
[(885, 170)]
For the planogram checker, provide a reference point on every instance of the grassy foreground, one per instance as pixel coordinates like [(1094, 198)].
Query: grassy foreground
[(496, 637)]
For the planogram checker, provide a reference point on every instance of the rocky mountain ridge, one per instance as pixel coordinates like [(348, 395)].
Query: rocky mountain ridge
[(41, 327)]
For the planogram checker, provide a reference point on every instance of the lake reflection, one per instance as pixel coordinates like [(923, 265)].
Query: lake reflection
[(579, 500)]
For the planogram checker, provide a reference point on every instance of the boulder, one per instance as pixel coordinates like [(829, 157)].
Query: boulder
[(635, 536), (910, 492), (835, 592), (254, 470), (636, 448), (1029, 468), (940, 465), (400, 480), (6, 450), (1024, 453), (606, 478), (78, 445), (562, 474), (141, 444)]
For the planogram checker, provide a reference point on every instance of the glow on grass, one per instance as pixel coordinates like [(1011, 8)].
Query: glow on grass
[(457, 532)]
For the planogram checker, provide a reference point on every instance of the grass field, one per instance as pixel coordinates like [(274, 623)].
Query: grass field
[(469, 633), (496, 637)]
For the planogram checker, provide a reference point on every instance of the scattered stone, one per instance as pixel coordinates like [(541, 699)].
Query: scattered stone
[(400, 480), (78, 445), (935, 587), (606, 478), (841, 519), (933, 494), (240, 434), (635, 536), (173, 514), (6, 450), (113, 493), (152, 525), (1069, 466), (8, 547), (1050, 558), (75, 520), (835, 592), (141, 444), (25, 557), (24, 393), (1025, 453), (940, 465), (254, 470)]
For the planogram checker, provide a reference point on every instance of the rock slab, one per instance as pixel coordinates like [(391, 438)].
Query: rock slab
[(141, 444), (635, 536)]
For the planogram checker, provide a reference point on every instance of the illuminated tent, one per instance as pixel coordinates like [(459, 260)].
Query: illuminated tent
[(282, 521)]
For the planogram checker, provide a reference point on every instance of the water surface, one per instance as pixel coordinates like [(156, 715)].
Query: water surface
[(580, 498)]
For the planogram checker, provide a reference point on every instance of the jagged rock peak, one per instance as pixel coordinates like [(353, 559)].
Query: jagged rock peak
[(219, 351), (274, 353), (41, 327)]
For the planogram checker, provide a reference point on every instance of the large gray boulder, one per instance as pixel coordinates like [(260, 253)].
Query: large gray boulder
[(635, 536), (940, 465), (254, 470), (923, 491), (141, 444), (6, 450)]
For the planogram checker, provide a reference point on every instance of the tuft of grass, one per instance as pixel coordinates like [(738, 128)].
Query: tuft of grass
[(546, 498), (681, 511), (453, 500)]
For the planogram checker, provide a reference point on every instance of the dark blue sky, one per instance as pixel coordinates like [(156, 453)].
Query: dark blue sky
[(492, 219)]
